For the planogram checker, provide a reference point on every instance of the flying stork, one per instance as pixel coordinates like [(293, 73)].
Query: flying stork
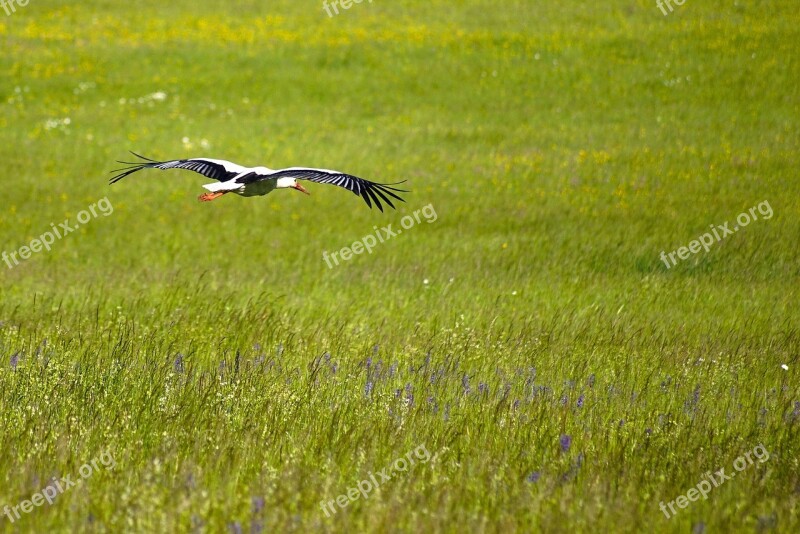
[(258, 181)]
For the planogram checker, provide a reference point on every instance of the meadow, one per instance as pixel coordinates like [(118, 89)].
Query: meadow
[(523, 362)]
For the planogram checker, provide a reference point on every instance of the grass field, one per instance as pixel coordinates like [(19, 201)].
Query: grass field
[(524, 361)]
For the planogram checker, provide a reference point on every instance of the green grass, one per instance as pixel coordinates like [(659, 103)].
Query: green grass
[(238, 382)]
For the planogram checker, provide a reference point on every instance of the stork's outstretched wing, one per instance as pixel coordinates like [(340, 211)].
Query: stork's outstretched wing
[(217, 169), (369, 191)]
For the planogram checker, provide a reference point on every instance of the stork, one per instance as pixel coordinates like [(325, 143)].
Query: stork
[(259, 181)]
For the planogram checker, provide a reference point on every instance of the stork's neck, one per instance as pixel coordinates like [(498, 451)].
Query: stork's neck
[(285, 182)]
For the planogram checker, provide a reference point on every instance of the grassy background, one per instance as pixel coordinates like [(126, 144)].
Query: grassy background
[(238, 381)]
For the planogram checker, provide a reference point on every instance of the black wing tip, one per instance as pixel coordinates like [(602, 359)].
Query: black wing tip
[(389, 186), (117, 178), (136, 166), (377, 192), (142, 157)]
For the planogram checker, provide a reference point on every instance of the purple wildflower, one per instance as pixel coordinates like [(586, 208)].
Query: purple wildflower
[(52, 484), (767, 522), (178, 364), (533, 477), (565, 441), (14, 360), (465, 384), (436, 375), (580, 401), (483, 388), (666, 382), (257, 504), (531, 377), (762, 416)]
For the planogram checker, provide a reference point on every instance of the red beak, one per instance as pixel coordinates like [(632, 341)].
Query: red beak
[(300, 188)]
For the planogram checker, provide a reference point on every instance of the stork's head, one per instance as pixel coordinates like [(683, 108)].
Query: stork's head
[(288, 182)]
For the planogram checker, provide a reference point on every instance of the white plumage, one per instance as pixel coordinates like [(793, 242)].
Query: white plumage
[(259, 181)]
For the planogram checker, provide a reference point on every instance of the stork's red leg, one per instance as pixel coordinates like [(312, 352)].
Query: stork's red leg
[(208, 197)]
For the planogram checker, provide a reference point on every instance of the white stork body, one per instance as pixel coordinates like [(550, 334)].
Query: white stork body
[(253, 189), (259, 181)]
